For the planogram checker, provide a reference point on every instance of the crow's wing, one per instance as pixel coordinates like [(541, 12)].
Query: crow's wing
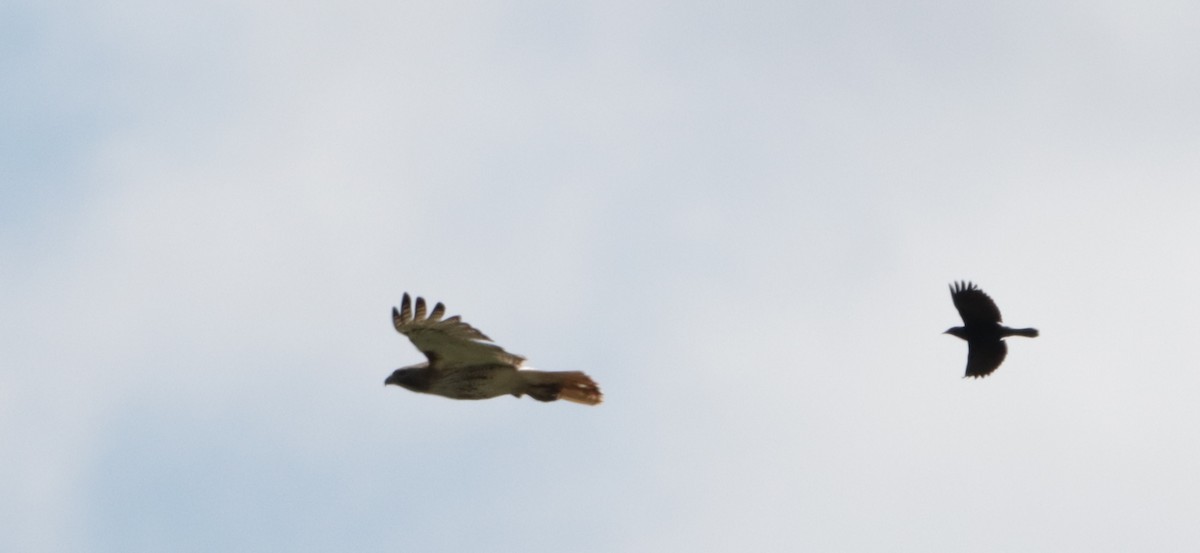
[(448, 343), (973, 305), (984, 356)]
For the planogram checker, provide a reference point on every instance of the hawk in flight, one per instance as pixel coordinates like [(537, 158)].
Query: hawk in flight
[(463, 364), (982, 329)]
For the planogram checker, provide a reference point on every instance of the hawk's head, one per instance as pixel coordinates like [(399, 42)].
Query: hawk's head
[(416, 378)]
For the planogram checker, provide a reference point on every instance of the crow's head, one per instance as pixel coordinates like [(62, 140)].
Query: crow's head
[(957, 331)]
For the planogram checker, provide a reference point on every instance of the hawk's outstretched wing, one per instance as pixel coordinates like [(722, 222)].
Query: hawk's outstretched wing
[(447, 342), (974, 306)]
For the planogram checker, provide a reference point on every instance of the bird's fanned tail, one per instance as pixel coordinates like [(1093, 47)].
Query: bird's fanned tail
[(572, 386)]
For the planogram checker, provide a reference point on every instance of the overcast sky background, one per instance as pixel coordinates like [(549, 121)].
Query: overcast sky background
[(740, 218)]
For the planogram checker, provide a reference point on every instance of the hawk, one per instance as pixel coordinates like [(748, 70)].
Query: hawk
[(464, 365), (982, 329)]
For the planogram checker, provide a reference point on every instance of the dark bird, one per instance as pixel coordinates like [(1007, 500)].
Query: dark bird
[(982, 329), (464, 365)]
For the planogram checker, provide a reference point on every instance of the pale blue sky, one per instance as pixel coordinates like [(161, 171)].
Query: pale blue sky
[(740, 218)]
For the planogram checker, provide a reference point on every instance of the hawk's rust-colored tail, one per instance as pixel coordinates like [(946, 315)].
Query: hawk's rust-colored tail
[(572, 386)]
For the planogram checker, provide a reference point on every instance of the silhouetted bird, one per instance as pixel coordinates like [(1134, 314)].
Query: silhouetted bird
[(462, 364), (982, 329)]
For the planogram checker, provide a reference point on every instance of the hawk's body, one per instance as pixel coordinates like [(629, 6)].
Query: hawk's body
[(982, 329), (464, 365)]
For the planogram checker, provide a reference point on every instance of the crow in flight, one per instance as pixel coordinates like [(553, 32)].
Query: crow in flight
[(982, 329)]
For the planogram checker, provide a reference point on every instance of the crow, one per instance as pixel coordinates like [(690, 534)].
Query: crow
[(982, 329)]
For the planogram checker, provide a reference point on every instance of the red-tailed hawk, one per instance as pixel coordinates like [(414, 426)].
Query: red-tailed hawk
[(463, 365), (982, 329)]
